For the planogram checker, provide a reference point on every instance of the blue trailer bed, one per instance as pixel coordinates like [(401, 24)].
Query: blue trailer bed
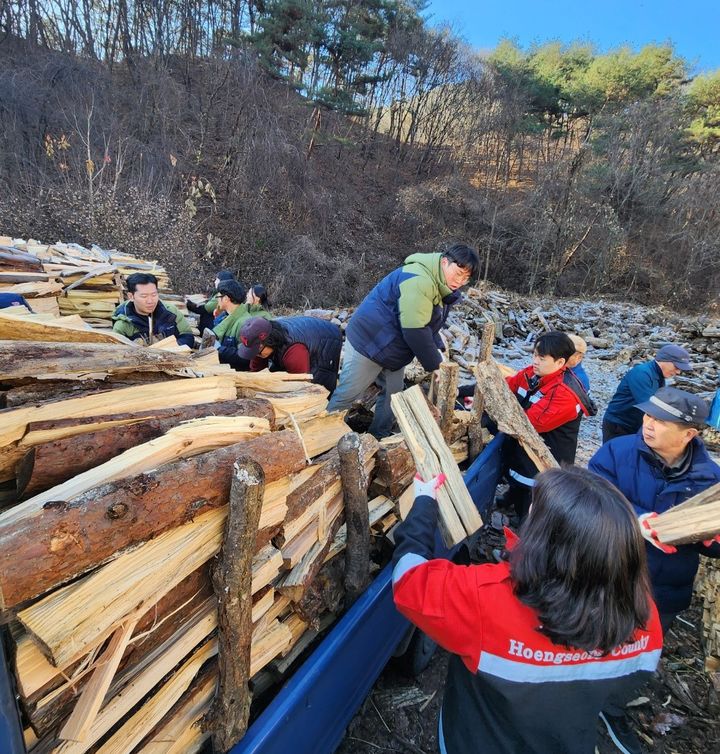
[(310, 713)]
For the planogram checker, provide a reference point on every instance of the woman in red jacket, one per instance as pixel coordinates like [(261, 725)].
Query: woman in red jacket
[(546, 640)]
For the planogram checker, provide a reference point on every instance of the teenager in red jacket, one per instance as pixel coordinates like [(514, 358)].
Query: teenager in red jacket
[(555, 401), (544, 641)]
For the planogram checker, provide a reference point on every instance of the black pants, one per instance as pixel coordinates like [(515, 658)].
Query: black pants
[(611, 429)]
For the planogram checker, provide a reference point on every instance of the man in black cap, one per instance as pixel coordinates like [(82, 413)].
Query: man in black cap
[(622, 416), (659, 467)]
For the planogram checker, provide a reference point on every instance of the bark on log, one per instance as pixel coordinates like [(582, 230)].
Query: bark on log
[(505, 411), (65, 539), (447, 394), (394, 466), (475, 434), (232, 578), (354, 485), (22, 359), (52, 463)]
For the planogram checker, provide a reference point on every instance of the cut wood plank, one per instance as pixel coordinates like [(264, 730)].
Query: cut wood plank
[(76, 727), (695, 520), (49, 546), (503, 408), (458, 515), (33, 327), (322, 433)]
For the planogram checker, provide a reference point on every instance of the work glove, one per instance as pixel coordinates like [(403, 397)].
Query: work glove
[(430, 487), (711, 542), (651, 536)]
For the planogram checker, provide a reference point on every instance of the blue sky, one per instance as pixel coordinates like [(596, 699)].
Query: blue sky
[(692, 25)]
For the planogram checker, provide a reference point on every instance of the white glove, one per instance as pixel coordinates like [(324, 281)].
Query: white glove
[(430, 487), (650, 535)]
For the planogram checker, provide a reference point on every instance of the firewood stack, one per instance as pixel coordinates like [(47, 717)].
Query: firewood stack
[(68, 279), (115, 473)]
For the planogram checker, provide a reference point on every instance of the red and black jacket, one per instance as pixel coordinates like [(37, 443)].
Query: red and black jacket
[(509, 688)]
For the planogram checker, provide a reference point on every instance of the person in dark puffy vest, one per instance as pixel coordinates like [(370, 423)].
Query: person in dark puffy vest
[(299, 345)]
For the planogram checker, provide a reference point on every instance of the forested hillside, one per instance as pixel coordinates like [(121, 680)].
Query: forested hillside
[(312, 144)]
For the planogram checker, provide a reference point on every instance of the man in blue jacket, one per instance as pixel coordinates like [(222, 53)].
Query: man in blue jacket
[(661, 466), (400, 319), (622, 416)]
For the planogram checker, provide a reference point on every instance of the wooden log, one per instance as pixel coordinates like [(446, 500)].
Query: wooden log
[(232, 577), (80, 361), (132, 399), (475, 433), (18, 261), (16, 326), (458, 515), (394, 465), (447, 394), (695, 520), (354, 486), (52, 462), (503, 408), (54, 544)]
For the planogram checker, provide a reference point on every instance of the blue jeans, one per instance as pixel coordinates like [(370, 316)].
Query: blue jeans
[(357, 374)]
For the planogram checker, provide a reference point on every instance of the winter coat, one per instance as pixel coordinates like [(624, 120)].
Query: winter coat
[(227, 333), (555, 406), (642, 381), (509, 688), (166, 321), (630, 465), (313, 344), (402, 315), (582, 375)]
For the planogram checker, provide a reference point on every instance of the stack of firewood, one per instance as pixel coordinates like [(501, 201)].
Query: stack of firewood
[(115, 472), (68, 279)]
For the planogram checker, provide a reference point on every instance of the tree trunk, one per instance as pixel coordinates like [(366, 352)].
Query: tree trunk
[(354, 485), (232, 579)]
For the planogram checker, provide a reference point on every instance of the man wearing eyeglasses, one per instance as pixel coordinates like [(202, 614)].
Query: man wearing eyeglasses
[(399, 320)]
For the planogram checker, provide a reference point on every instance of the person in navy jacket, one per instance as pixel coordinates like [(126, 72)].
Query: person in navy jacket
[(659, 467), (622, 416), (575, 361), (542, 641)]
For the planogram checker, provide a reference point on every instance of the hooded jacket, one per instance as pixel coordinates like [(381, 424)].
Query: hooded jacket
[(166, 321), (227, 332), (632, 467), (509, 688), (401, 317)]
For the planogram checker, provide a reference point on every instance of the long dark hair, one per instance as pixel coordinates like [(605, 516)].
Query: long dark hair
[(261, 292), (277, 338), (580, 563)]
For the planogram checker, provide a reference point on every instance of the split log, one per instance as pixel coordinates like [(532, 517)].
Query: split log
[(475, 434), (354, 486), (695, 520), (170, 736), (232, 577), (394, 466), (18, 261), (17, 326), (50, 463), (188, 439), (447, 394), (56, 543), (131, 399), (80, 361), (503, 408), (458, 515)]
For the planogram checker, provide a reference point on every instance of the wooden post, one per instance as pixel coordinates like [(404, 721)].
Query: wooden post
[(232, 579), (475, 437), (447, 394), (357, 517)]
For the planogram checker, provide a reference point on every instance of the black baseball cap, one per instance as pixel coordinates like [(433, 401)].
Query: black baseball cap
[(674, 405)]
